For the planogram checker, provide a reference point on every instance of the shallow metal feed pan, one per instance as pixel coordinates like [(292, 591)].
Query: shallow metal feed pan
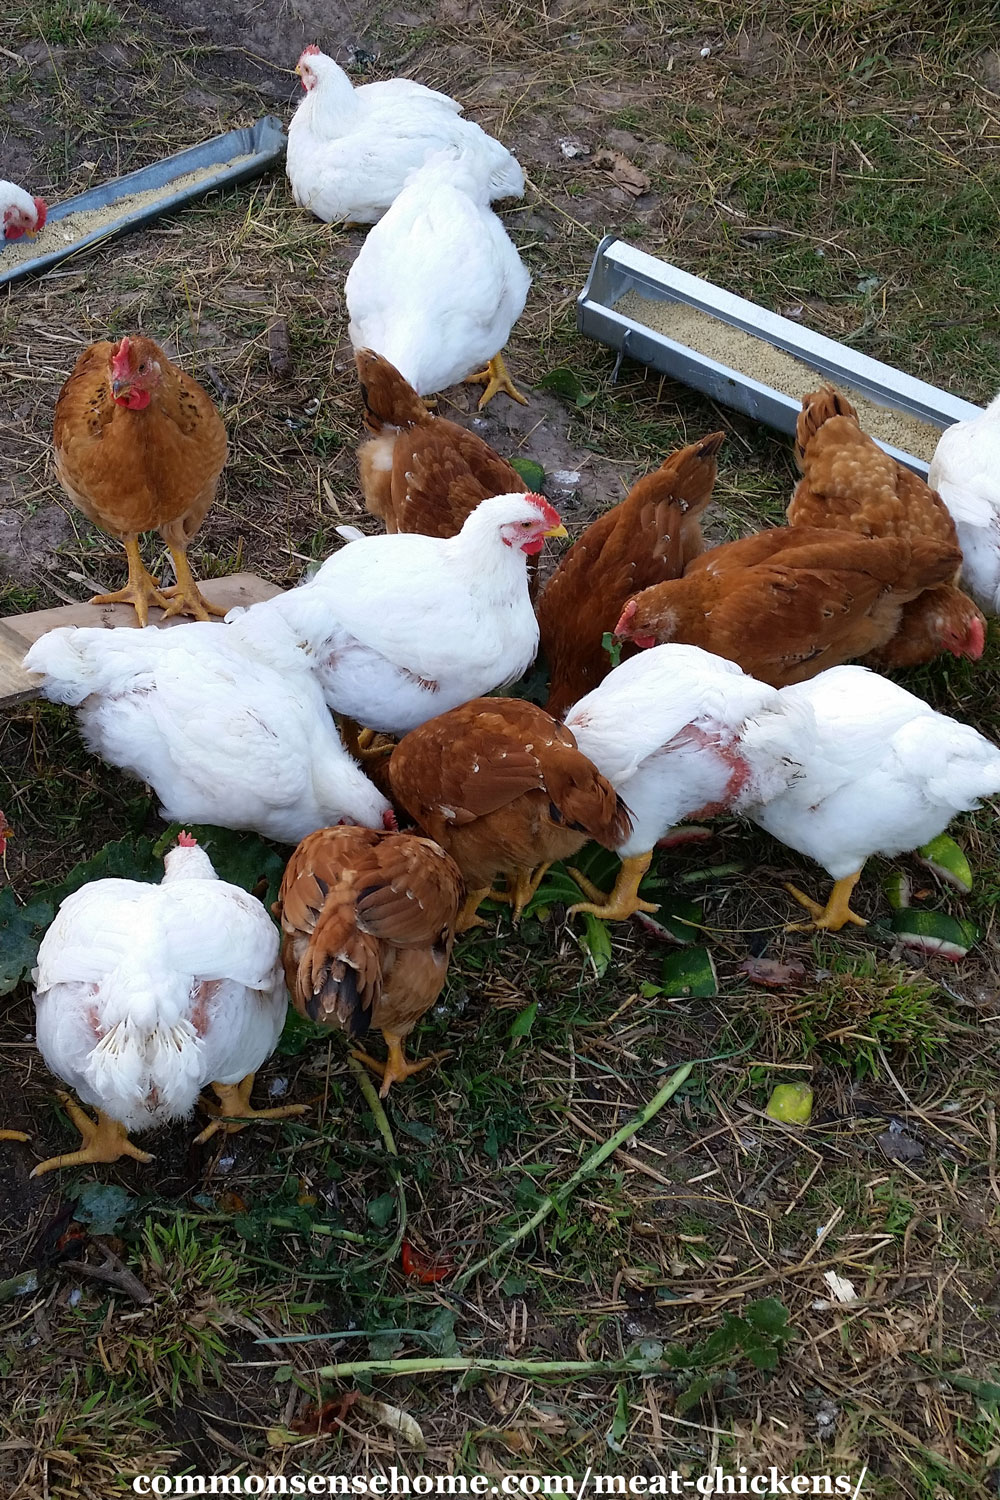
[(262, 144), (619, 268)]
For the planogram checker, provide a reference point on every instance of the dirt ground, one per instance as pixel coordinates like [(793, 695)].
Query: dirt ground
[(729, 116)]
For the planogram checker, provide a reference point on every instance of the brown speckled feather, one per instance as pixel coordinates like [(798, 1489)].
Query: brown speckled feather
[(135, 471), (648, 538), (787, 603), (849, 484), (420, 472), (502, 787), (368, 923)]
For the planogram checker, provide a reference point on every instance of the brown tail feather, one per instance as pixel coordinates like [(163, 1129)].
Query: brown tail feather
[(389, 400)]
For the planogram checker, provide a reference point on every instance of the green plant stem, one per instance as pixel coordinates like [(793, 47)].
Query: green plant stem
[(385, 1131), (574, 1369), (586, 1169)]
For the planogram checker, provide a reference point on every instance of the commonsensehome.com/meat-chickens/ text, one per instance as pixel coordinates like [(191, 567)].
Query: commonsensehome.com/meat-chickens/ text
[(718, 1481)]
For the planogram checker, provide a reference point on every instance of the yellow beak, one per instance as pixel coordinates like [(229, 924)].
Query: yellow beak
[(298, 69), (556, 531)]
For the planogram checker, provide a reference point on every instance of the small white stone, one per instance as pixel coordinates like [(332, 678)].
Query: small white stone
[(706, 52)]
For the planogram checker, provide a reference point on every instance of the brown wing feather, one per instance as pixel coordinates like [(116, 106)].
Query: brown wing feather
[(502, 786), (368, 921), (646, 539), (815, 600), (421, 473)]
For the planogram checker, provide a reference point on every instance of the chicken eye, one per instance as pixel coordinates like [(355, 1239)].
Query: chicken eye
[(525, 525), (142, 368)]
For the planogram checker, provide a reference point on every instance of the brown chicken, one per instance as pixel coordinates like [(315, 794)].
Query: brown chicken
[(369, 924), (849, 484), (789, 602), (649, 538), (502, 787), (139, 446), (420, 472)]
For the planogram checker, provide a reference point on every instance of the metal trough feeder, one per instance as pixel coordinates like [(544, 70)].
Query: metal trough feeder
[(238, 155), (619, 268)]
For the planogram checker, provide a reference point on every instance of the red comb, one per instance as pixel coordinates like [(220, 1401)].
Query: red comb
[(549, 512), (42, 212), (975, 641), (185, 841), (311, 51), (626, 618), (121, 367), (389, 821)]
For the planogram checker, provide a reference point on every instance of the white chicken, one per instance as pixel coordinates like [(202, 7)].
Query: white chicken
[(146, 993), (20, 214), (839, 768), (965, 471), (350, 149), (438, 285), (877, 772), (665, 728), (228, 728), (402, 628)]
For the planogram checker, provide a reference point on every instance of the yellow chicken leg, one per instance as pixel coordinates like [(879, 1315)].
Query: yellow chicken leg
[(14, 1135), (104, 1140), (835, 914), (140, 591), (234, 1110), (467, 916), (184, 596), (397, 1067), (624, 900), (496, 378)]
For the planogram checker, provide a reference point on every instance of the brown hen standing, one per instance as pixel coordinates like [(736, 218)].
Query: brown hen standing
[(650, 537), (139, 446), (368, 923), (789, 602), (502, 787), (420, 472), (849, 484)]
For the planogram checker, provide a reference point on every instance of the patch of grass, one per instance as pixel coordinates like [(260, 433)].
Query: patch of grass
[(81, 21)]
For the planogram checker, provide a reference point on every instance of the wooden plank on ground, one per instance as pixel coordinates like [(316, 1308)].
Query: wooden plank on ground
[(18, 632)]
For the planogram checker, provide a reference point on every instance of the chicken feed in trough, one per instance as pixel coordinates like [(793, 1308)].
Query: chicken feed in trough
[(139, 197), (751, 359)]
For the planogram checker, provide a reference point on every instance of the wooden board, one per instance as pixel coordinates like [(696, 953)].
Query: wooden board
[(18, 632)]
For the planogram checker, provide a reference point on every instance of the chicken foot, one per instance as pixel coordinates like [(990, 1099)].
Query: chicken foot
[(184, 596), (496, 378), (140, 591), (104, 1140), (397, 1067), (467, 916), (835, 914), (623, 902), (234, 1110)]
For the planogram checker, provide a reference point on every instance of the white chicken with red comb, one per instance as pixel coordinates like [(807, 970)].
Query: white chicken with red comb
[(401, 628), (145, 994), (20, 213)]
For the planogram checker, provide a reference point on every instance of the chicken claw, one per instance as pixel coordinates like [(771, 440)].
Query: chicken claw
[(184, 596), (14, 1135), (397, 1067), (520, 889), (496, 378), (140, 591), (835, 914), (467, 916), (623, 902), (234, 1110), (104, 1140)]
